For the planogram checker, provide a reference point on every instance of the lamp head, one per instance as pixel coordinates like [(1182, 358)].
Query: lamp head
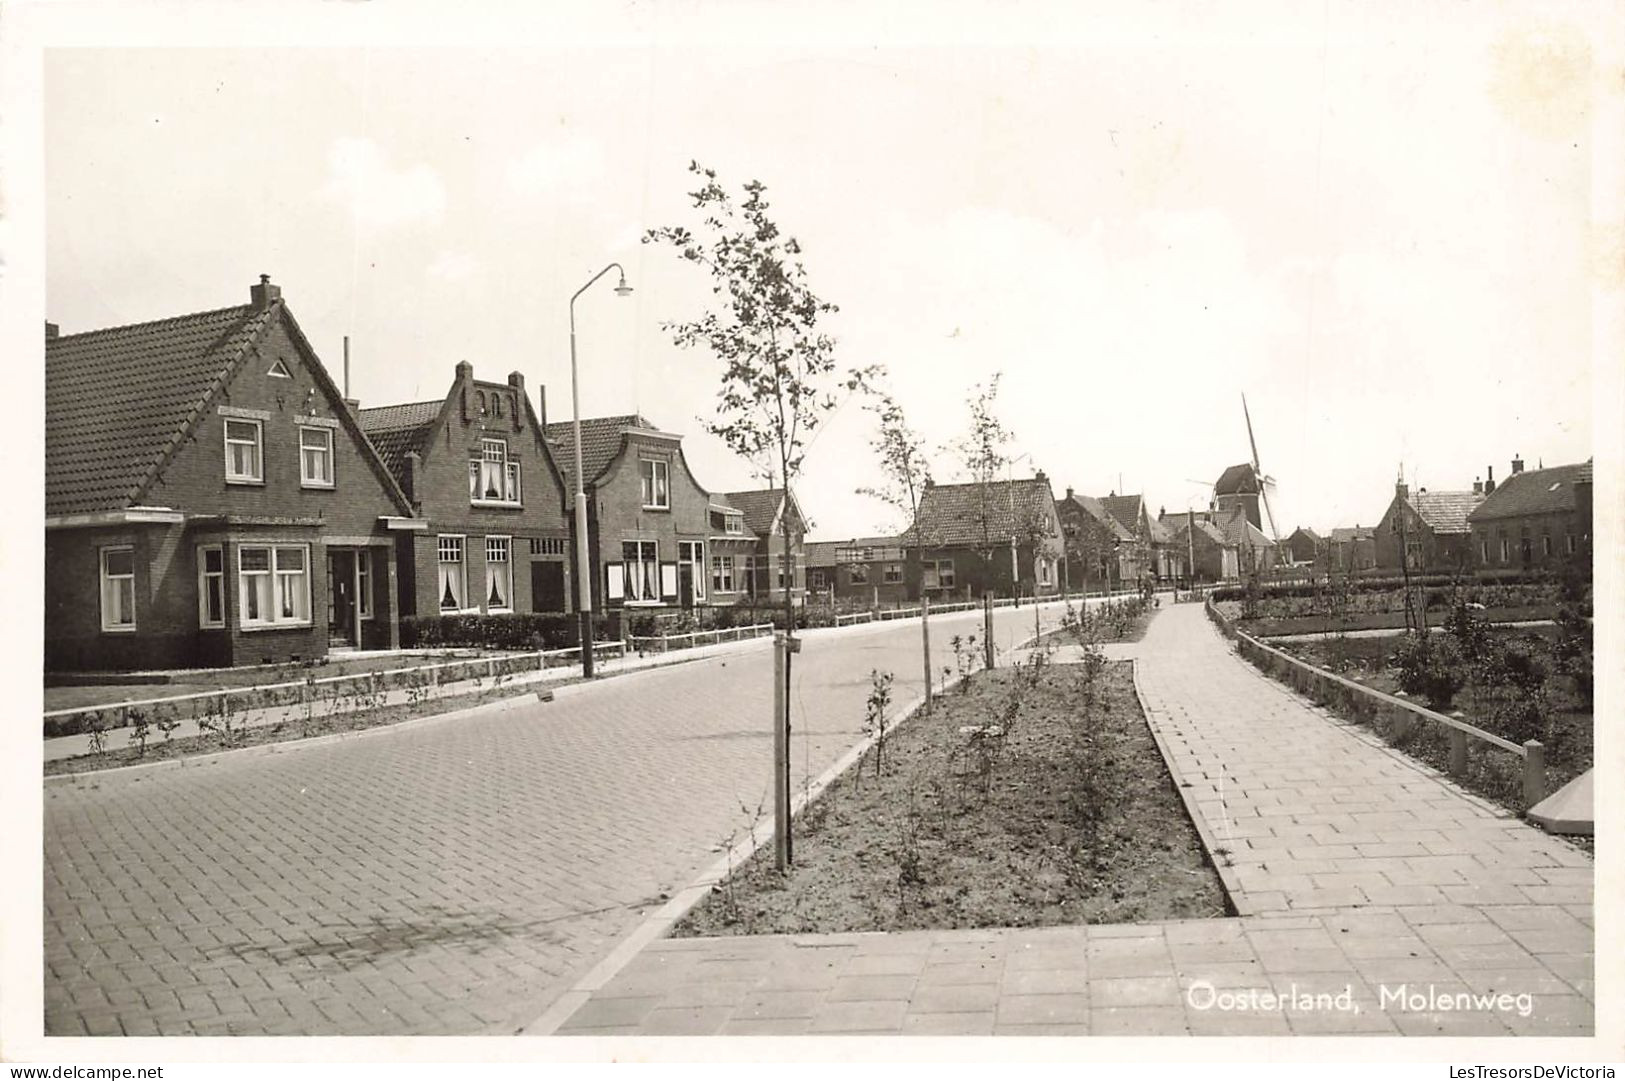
[(623, 290)]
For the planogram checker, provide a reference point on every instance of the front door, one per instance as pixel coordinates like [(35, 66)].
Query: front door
[(546, 585), (341, 597), (685, 584)]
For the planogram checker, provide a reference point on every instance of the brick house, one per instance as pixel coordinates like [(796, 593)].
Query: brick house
[(1135, 556), (1003, 537), (1537, 519), (1353, 548), (1168, 559), (1095, 541), (648, 520), (210, 499), (1304, 545), (865, 569), (763, 511), (1429, 528), (1210, 554), (476, 466), (732, 554)]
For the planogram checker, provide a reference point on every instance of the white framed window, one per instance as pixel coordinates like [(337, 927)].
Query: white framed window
[(653, 476), (892, 574), (315, 457), (244, 460), (493, 477), (363, 574), (1483, 551), (1044, 572), (118, 588), (640, 568), (211, 586), (1504, 550), (735, 523), (945, 574), (722, 574), (1546, 544), (692, 554), (453, 585), (498, 574), (273, 585)]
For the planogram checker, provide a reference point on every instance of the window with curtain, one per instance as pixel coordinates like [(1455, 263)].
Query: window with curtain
[(451, 588)]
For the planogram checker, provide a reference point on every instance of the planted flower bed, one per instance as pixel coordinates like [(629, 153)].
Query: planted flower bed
[(1035, 796)]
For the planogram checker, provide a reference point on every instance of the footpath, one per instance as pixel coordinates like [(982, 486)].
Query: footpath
[(1372, 895)]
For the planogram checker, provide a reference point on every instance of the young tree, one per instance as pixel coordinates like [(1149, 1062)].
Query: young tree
[(982, 449), (903, 466), (780, 376)]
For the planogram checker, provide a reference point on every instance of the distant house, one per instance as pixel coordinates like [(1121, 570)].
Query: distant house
[(1167, 557), (764, 510), (1002, 537), (867, 569), (1097, 545), (1129, 510), (477, 466), (1426, 531), (1225, 543), (1539, 518), (732, 551), (209, 497), (648, 519), (1353, 548), (1304, 545)]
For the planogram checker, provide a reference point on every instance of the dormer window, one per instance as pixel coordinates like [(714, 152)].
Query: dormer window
[(492, 478), (736, 523)]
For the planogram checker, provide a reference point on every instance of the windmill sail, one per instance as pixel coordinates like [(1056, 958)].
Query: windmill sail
[(1264, 482)]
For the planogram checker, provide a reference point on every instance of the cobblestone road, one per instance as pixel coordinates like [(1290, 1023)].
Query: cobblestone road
[(446, 878)]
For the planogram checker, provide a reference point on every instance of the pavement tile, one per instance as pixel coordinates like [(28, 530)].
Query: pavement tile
[(1042, 1009), (866, 1016), (761, 1005), (1135, 991), (1041, 981), (1138, 1021), (684, 1020), (873, 988), (961, 972), (977, 1023), (954, 998), (1556, 1015), (885, 964)]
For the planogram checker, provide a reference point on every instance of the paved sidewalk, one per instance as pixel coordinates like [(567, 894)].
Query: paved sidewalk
[(1375, 895)]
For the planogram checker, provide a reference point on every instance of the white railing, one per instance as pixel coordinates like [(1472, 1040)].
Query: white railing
[(662, 643), (303, 690)]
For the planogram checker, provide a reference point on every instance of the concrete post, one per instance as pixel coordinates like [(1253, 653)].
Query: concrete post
[(781, 761), (1534, 773), (1458, 752), (988, 652)]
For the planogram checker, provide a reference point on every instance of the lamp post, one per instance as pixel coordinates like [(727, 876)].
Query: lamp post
[(583, 549), (1010, 490)]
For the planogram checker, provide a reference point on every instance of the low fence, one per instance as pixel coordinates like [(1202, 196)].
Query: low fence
[(663, 643), (1362, 702), (351, 691), (848, 618)]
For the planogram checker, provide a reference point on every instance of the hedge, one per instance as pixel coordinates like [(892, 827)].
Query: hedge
[(514, 630), (1365, 585)]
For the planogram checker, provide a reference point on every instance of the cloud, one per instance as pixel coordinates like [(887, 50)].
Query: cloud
[(454, 266), (571, 165), (361, 177)]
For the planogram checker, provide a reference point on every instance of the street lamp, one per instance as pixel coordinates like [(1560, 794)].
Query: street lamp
[(583, 551)]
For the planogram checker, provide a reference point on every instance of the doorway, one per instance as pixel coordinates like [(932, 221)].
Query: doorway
[(341, 621), (546, 585)]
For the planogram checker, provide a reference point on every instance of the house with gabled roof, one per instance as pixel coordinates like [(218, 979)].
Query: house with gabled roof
[(1304, 545), (476, 466), (1537, 518), (1353, 548), (764, 510), (1426, 530), (1002, 537), (869, 570), (210, 499), (649, 522), (1097, 544), (1136, 556)]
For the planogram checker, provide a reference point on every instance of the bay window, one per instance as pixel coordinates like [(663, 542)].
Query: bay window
[(273, 585), (118, 588)]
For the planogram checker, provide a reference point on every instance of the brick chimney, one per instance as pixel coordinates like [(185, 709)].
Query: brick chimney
[(1069, 492), (1042, 476), (51, 331), (1489, 479), (264, 293), (1401, 489), (1517, 465), (1478, 485), (409, 476)]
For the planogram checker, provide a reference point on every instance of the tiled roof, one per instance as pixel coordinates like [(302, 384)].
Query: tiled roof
[(1126, 509), (117, 401), (600, 443), (1347, 534), (1238, 479), (1307, 532), (759, 506), (1534, 491), (396, 429), (1096, 509), (1160, 533), (952, 514), (1202, 526), (821, 553), (1239, 531), (1445, 512)]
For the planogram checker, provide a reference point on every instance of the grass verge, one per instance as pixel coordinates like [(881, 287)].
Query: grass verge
[(1069, 816)]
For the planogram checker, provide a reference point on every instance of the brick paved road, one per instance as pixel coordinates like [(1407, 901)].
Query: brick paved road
[(444, 878)]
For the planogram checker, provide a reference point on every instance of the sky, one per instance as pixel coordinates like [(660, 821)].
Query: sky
[(1372, 220)]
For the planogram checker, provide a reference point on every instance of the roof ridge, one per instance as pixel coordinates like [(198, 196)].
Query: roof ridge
[(150, 322)]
